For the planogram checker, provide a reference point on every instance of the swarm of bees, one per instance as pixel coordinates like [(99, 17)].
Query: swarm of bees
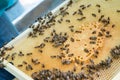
[(58, 40)]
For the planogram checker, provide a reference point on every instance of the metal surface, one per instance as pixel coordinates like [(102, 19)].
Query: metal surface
[(25, 12)]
